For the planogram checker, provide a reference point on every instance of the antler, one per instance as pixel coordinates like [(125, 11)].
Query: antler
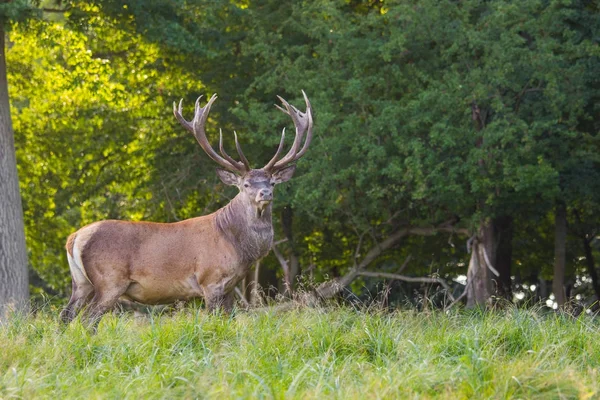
[(196, 126), (303, 122)]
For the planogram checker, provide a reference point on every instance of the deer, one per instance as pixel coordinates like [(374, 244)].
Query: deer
[(202, 257)]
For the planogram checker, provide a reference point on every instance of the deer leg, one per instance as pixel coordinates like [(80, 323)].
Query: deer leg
[(104, 300), (82, 290), (216, 298), (80, 296), (227, 303)]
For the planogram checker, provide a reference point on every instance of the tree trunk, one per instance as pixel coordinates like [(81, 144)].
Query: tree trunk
[(287, 215), (254, 288), (479, 282), (504, 230), (543, 290), (14, 288), (560, 237), (591, 266), (286, 285), (483, 251)]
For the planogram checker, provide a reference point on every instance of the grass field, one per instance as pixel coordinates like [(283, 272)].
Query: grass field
[(333, 352)]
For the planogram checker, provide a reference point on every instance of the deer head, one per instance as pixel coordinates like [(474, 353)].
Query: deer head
[(255, 185)]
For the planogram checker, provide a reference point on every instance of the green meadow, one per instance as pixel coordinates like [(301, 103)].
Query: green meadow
[(331, 352)]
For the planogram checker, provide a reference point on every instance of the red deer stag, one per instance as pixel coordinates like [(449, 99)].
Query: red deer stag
[(158, 263)]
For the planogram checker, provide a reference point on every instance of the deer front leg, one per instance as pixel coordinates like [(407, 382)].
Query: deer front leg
[(216, 298)]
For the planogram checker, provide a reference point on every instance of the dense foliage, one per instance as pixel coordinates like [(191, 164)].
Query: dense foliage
[(426, 113)]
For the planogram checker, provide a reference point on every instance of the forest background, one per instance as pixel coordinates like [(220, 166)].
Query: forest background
[(456, 143)]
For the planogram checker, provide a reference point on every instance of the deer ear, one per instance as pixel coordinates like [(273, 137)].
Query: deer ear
[(284, 175), (228, 178)]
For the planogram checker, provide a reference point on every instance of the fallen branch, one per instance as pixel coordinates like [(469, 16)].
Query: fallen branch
[(388, 287), (459, 298), (405, 278), (331, 288)]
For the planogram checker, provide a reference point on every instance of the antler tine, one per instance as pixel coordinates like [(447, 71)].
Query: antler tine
[(293, 112), (277, 153), (308, 129), (298, 119), (287, 106), (178, 114), (223, 152), (240, 152), (302, 122), (196, 126)]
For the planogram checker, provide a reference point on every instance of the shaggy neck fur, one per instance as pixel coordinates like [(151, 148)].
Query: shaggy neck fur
[(250, 232)]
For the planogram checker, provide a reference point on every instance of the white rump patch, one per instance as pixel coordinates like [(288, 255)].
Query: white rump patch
[(76, 265)]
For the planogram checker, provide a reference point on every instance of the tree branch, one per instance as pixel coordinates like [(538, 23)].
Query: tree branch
[(459, 298), (277, 243), (488, 263), (56, 10), (359, 245), (333, 287), (404, 264), (409, 279), (285, 266), (399, 270)]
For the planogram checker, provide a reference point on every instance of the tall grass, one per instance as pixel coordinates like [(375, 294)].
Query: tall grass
[(332, 352)]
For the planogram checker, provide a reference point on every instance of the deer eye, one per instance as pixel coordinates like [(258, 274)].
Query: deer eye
[(246, 185), (272, 183)]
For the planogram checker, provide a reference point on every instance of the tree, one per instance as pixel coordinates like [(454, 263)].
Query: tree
[(96, 137), (558, 282), (436, 123), (14, 289)]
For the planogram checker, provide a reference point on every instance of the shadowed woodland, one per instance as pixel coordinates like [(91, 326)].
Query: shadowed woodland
[(456, 150)]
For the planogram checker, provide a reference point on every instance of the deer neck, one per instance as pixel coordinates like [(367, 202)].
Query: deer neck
[(249, 231)]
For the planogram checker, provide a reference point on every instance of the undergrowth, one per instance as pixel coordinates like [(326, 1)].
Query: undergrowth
[(331, 352)]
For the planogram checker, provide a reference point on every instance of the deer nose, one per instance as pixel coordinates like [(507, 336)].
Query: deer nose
[(266, 194)]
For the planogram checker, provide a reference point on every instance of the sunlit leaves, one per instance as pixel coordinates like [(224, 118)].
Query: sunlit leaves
[(90, 112)]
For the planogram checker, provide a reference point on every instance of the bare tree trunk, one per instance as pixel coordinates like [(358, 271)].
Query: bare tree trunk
[(287, 215), (14, 289), (294, 268), (483, 252), (543, 290), (504, 230), (254, 286), (560, 237), (479, 282), (287, 289)]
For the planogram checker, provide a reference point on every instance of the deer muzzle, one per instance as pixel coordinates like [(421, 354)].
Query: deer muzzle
[(265, 195)]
